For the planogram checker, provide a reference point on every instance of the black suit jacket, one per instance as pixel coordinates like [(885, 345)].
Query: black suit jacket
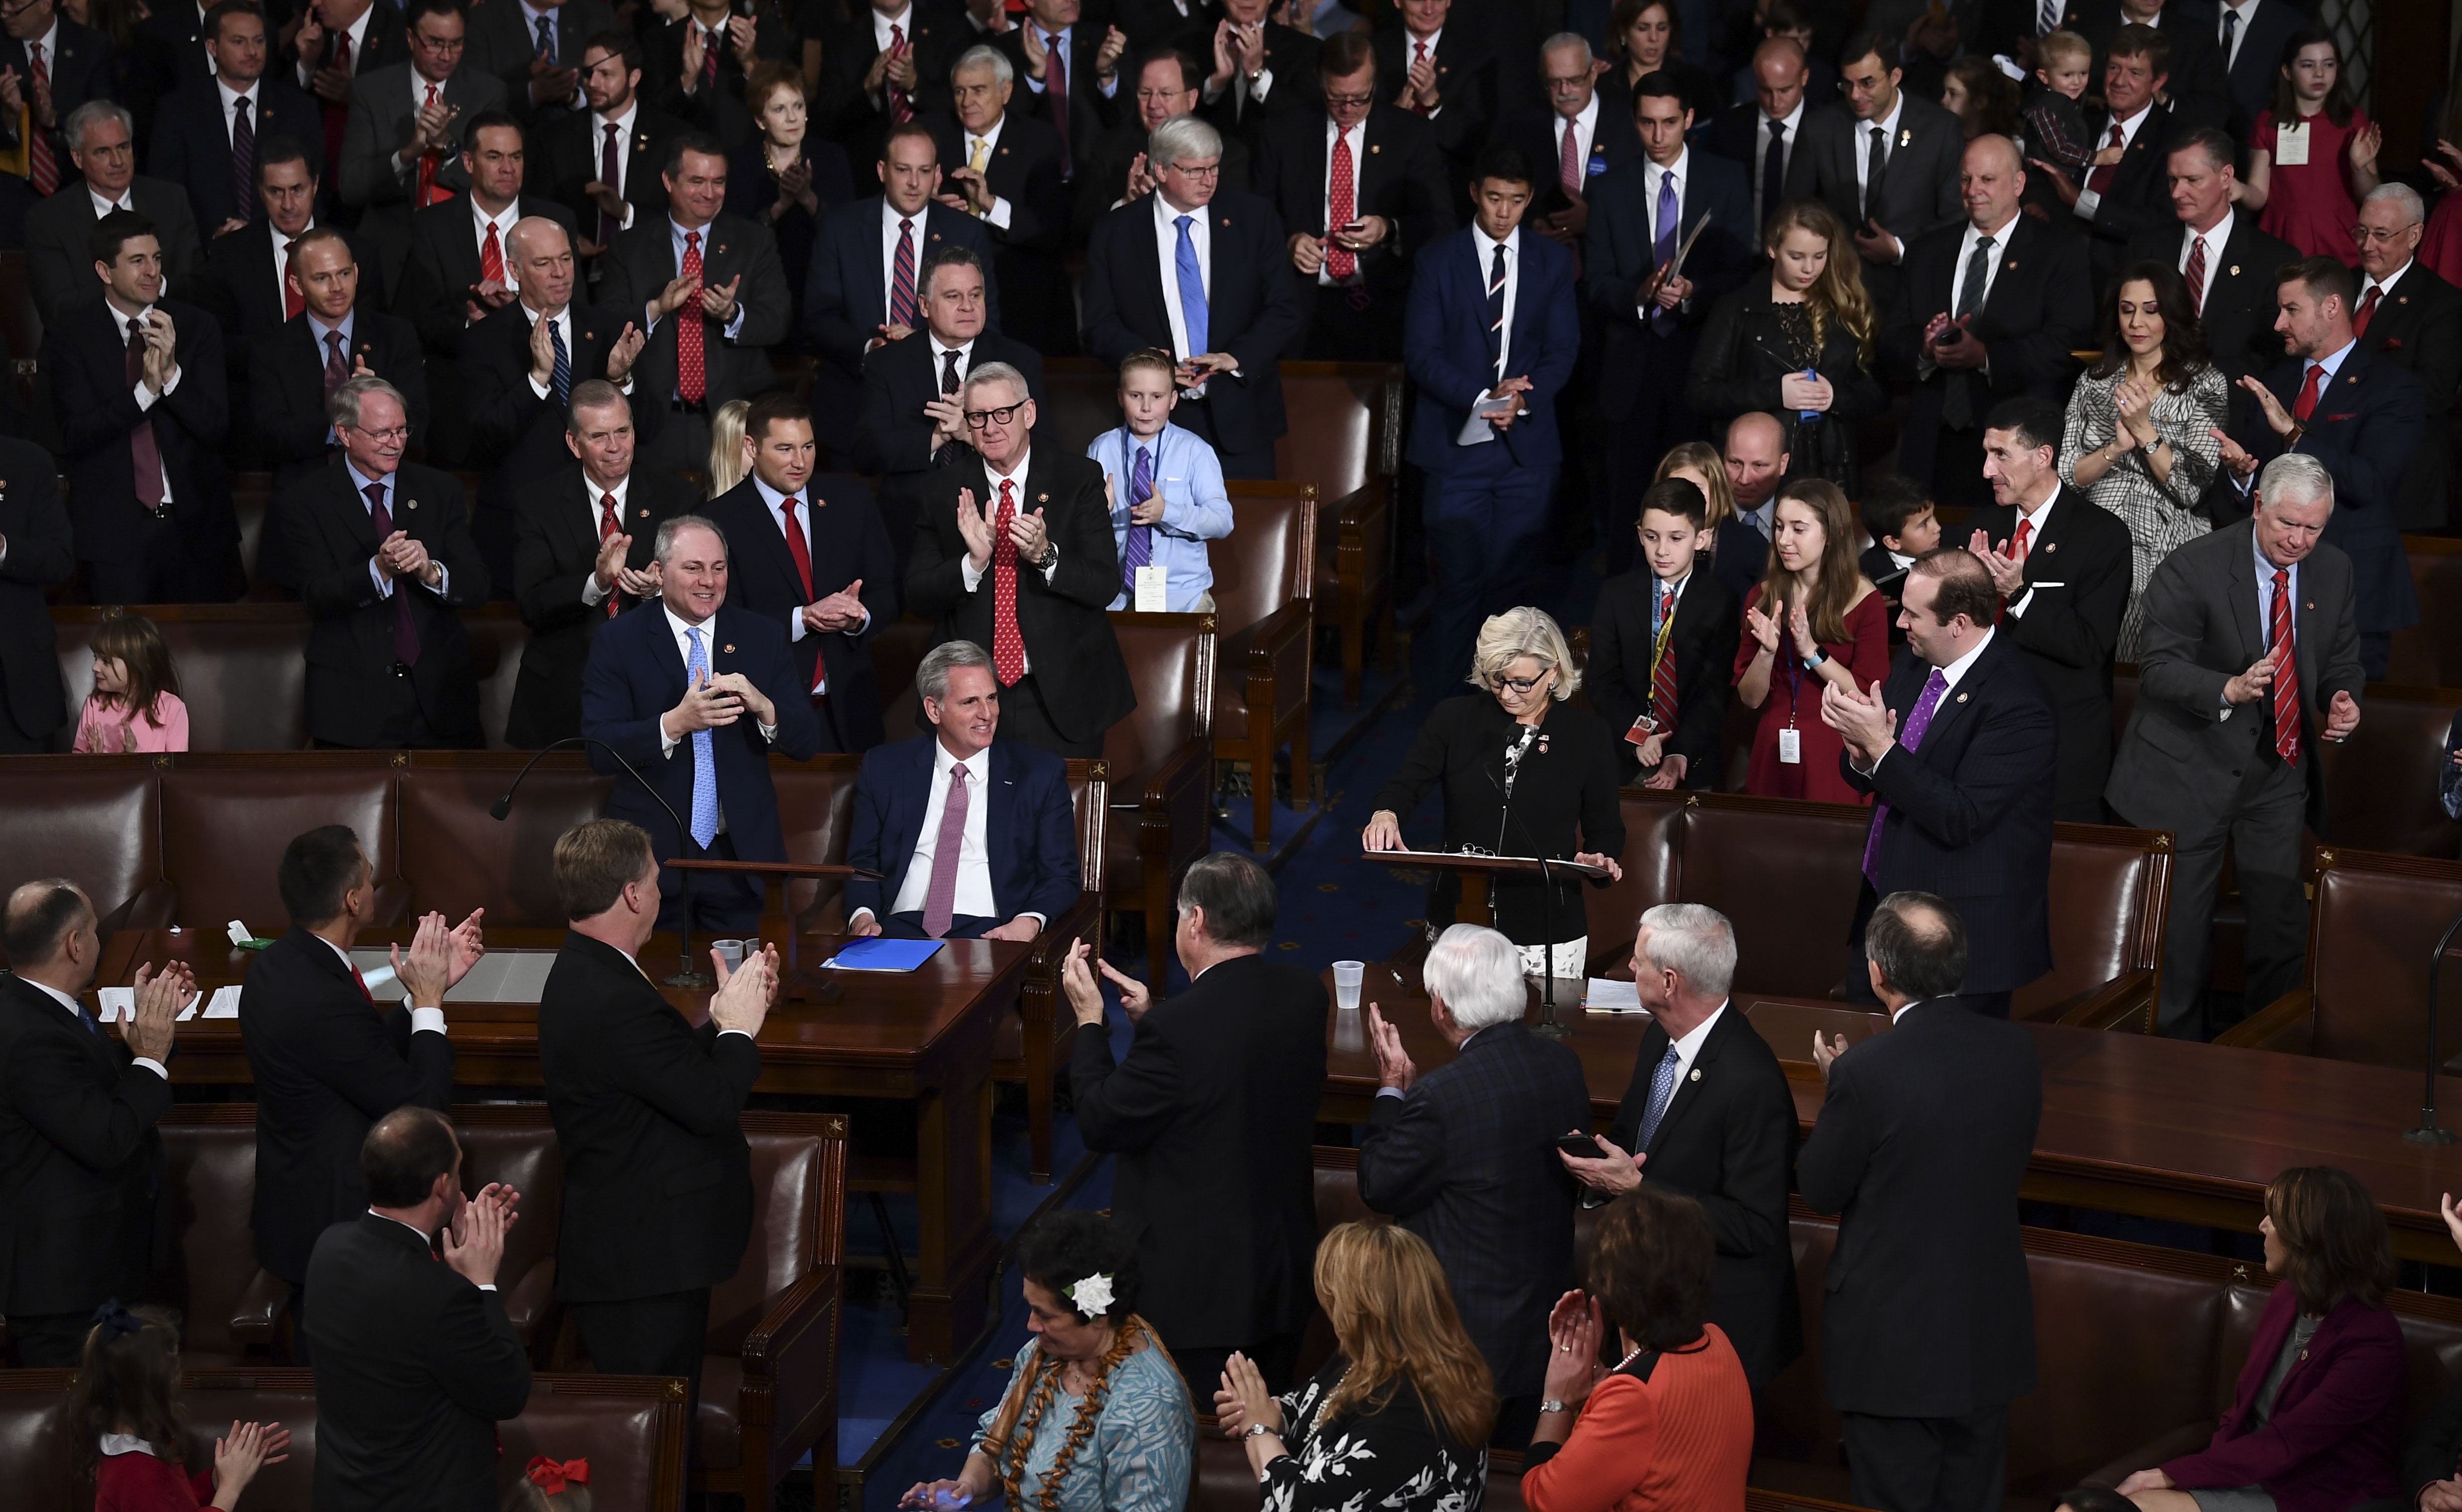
[(168, 54), (1211, 1115), (2418, 328), (1026, 169), (40, 553), (1253, 309), (1290, 56), (657, 1178), (846, 294), (1619, 256), (2138, 200), (79, 1158), (415, 1367), (1923, 1137), (502, 43), (900, 378), (327, 1065), (516, 437), (60, 266), (240, 264), (2197, 93), (1468, 78), (555, 547), (845, 542), (1402, 179), (573, 148), (288, 387), (79, 61), (1918, 188), (1613, 144), (1069, 645), (2239, 309), (97, 408), (330, 534), (191, 143), (1089, 112), (1726, 1139), (2256, 63), (843, 111), (2069, 632), (2040, 308), (438, 271), (643, 261), (2369, 423), (1709, 622), (1969, 813), (1467, 1160)]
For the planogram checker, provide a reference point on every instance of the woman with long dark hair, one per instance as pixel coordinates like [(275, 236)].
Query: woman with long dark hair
[(2313, 158), (2140, 441), (1645, 36), (1815, 618)]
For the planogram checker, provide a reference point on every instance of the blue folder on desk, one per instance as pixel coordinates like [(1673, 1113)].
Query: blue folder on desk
[(882, 954)]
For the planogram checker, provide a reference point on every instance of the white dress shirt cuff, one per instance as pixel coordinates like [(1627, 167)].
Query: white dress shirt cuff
[(1039, 921), (2018, 605), (426, 1020), (153, 1065), (795, 624), (969, 573), (487, 1285), (1388, 1091), (538, 389), (2089, 202), (998, 215), (768, 733), (723, 1033), (858, 917), (667, 743), (735, 322), (591, 593), (384, 584), (856, 630)]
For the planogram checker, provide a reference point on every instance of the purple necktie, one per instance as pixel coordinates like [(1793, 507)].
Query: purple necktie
[(940, 898), (405, 635), (1665, 236), (242, 158), (1912, 737), (1140, 549), (338, 370)]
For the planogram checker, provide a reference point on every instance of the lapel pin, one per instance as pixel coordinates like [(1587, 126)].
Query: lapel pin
[(1043, 498), (645, 515), (590, 335), (2010, 266), (1003, 152), (1906, 135), (1374, 149), (1961, 698), (936, 236), (2051, 545), (2234, 269), (727, 649), (642, 142), (412, 505), (2402, 300), (1696, 1074)]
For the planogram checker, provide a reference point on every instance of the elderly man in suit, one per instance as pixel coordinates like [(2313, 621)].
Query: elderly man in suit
[(1960, 751), (1015, 552), (605, 162), (101, 136), (61, 65), (816, 559), (1259, 70), (2251, 656), (1168, 83), (80, 1159), (1577, 133), (1465, 1157), (1006, 167), (1200, 275), (330, 341), (1709, 1117), (865, 290), (41, 551), (138, 389), (2122, 200), (887, 66), (402, 151), (999, 866), (582, 556), (206, 135), (1884, 161), (2364, 418), (2248, 37), (1990, 310), (2411, 318), (535, 50), (697, 693), (1762, 135), (386, 564), (1924, 1134)]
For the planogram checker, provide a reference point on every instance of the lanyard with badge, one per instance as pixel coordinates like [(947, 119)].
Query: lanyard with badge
[(1790, 740), (1149, 594)]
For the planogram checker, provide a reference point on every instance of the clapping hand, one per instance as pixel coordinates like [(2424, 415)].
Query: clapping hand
[(2008, 569), (1142, 179), (611, 561), (159, 1001), (1865, 721), (842, 610), (1823, 1055), (474, 1242), (1575, 1329), (1393, 1068), (1243, 1393), (2250, 686), (705, 705), (439, 957), (2342, 716), (974, 527), (718, 300), (2277, 418), (2235, 456), (2135, 401), (744, 994), (1799, 629), (250, 1447), (1764, 628), (2365, 144), (1027, 529)]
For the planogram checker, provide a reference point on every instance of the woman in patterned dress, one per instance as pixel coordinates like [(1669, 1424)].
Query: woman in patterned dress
[(2140, 439), (1095, 1417), (1397, 1421)]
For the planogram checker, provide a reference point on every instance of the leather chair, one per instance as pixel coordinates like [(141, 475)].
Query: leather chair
[(454, 856), (497, 636), (231, 1308), (251, 496), (1022, 1042), (95, 820), (514, 1144), (1654, 824), (226, 820), (36, 1436), (243, 670), (2429, 653), (1160, 762), (815, 801), (1346, 437), (1786, 873), (1080, 400), (2381, 785), (1264, 579), (2110, 893), (2370, 928), (896, 651)]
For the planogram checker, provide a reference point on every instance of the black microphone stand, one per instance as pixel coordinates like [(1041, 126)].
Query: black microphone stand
[(2428, 1133), (685, 975)]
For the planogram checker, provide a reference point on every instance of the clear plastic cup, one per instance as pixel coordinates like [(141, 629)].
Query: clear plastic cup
[(730, 951), (1347, 975)]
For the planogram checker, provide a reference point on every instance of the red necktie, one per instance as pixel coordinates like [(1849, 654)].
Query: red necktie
[(43, 170), (1568, 160), (2307, 404), (1662, 665), (608, 175), (2367, 308), (2286, 673), (1340, 207), (429, 162), (1421, 52), (1008, 647), (144, 456), (337, 368), (692, 379), (2020, 542), (901, 110), (710, 44), (800, 550), (901, 279), (2195, 273), (607, 528), (363, 986), (337, 115), (292, 300), (2099, 178), (492, 257)]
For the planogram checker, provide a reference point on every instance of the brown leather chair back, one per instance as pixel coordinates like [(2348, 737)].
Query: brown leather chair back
[(2381, 785), (1270, 557), (1345, 425), (251, 496), (1080, 400), (798, 1218), (208, 1189), (243, 670), (896, 651), (514, 1144), (455, 858), (1786, 874), (2429, 653), (815, 799), (1653, 827), (227, 819), (497, 636), (1170, 665), (95, 820), (2374, 921), (2109, 891), (37, 1435)]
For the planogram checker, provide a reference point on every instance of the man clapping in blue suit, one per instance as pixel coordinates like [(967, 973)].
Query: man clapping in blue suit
[(1493, 322), (973, 838), (695, 695)]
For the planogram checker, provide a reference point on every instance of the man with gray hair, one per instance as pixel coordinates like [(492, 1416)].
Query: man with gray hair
[(100, 135), (1465, 1157), (385, 562), (1709, 1117), (2250, 656), (2411, 318), (1006, 167), (1577, 138), (1198, 273)]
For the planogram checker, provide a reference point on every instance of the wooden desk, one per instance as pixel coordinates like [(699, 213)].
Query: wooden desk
[(923, 1037), (2132, 1123)]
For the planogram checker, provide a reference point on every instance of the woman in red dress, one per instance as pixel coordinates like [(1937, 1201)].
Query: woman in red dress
[(1813, 619), (2313, 158), (127, 1421)]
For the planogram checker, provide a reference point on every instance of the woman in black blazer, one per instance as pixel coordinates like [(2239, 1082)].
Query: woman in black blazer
[(1564, 773), (1644, 37), (783, 176), (1810, 316)]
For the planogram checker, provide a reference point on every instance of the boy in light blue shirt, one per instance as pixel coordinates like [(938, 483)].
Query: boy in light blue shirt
[(1165, 487)]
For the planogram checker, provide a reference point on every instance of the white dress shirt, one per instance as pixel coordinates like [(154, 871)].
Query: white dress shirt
[(1689, 1047), (1999, 235), (623, 125), (2036, 519), (562, 320), (903, 20), (2247, 9), (2215, 241), (988, 140), (1201, 237), (127, 201), (145, 397), (1357, 137), (1585, 129), (1863, 153), (590, 494), (1794, 122), (2382, 285), (2088, 200), (1476, 431), (974, 895), (681, 629), (888, 239), (77, 1010), (358, 32)]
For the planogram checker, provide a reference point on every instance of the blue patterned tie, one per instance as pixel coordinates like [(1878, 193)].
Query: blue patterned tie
[(1191, 290), (1664, 237), (704, 794), (546, 39), (1662, 1086), (561, 379), (1140, 549)]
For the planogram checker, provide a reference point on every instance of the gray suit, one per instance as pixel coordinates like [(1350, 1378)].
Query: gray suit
[(2186, 766), (384, 115), (60, 267), (641, 265)]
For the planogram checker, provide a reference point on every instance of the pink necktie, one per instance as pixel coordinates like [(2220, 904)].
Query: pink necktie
[(939, 899)]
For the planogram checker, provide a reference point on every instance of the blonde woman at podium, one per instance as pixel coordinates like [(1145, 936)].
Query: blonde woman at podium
[(1525, 774)]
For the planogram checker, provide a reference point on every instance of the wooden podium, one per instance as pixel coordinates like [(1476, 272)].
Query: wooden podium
[(1473, 907), (798, 982)]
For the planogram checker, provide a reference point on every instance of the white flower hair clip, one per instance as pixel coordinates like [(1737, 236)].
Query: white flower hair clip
[(1092, 1296)]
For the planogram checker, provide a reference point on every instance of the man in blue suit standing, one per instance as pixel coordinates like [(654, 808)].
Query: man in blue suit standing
[(696, 696), (1492, 334), (973, 838)]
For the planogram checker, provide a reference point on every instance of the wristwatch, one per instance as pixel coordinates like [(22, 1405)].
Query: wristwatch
[(1050, 558), (1820, 655), (1553, 1405), (1256, 1429)]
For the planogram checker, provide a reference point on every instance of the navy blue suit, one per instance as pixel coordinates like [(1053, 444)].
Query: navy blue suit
[(1487, 503), (635, 675), (1030, 832), (846, 292), (191, 144), (844, 540)]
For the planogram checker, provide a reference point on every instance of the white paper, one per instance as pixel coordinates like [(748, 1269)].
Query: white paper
[(2290, 145), (239, 935), (1605, 995), (1791, 746), (1150, 599), (118, 1004), (224, 1003), (188, 1012)]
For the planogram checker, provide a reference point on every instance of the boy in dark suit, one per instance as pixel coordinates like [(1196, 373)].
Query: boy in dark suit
[(1898, 514), (1663, 647)]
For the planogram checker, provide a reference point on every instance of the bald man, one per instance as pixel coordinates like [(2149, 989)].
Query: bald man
[(299, 367)]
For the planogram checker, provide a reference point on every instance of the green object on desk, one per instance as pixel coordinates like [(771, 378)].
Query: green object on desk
[(253, 943)]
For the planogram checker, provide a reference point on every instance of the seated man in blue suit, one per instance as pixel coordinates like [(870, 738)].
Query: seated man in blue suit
[(954, 864), (696, 696), (1487, 424)]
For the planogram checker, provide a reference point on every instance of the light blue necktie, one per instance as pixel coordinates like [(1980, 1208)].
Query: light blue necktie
[(561, 379), (1191, 290), (704, 794), (1662, 1086), (1665, 236)]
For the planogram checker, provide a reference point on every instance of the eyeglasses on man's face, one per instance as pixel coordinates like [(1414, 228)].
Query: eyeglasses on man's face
[(978, 418), (2364, 235), (391, 433), (1342, 100)]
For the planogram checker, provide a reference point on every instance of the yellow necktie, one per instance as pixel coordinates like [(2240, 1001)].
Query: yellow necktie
[(977, 153)]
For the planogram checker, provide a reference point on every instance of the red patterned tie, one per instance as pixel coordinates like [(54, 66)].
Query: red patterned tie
[(145, 457), (1568, 160), (42, 168), (2195, 274), (901, 109), (2305, 404), (2286, 673), (492, 258), (608, 527), (2367, 309), (711, 42), (901, 279), (1008, 647), (292, 300), (336, 117), (1340, 261), (1662, 664), (337, 368), (429, 162), (2101, 178), (692, 379), (1420, 56)]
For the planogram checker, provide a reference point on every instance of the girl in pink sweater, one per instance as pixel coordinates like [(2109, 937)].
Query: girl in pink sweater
[(135, 706)]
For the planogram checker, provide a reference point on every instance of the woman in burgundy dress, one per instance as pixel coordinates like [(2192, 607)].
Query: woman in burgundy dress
[(1813, 619), (2313, 158), (130, 1428)]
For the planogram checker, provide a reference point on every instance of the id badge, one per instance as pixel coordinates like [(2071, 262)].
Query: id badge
[(1791, 746), (2291, 146), (1150, 594), (1643, 728)]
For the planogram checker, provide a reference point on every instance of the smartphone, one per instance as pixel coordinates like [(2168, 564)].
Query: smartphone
[(1582, 1147)]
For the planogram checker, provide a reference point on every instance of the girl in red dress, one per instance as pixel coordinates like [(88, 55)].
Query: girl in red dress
[(2313, 158), (1812, 620), (127, 1421)]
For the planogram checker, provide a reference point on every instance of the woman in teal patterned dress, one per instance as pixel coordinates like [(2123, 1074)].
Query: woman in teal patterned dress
[(1095, 1417)]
